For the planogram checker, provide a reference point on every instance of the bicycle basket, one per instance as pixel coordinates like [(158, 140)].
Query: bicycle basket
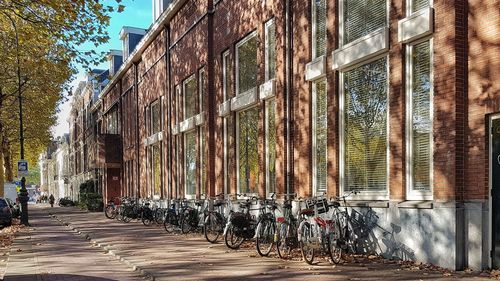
[(239, 219), (321, 204)]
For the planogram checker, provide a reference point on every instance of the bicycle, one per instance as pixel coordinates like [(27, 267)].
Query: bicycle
[(173, 215), (240, 226), (111, 208), (191, 216), (147, 214), (315, 233), (266, 227), (341, 237), (287, 225), (215, 220)]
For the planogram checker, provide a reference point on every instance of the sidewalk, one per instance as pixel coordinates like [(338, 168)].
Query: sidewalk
[(46, 251), (174, 257)]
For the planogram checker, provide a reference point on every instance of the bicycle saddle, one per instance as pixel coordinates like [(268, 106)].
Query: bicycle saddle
[(287, 206), (198, 203), (334, 204), (307, 212), (218, 203)]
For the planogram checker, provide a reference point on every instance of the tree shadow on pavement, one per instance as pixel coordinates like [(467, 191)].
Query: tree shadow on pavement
[(55, 277)]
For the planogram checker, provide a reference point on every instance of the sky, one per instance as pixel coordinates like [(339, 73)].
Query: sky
[(137, 13)]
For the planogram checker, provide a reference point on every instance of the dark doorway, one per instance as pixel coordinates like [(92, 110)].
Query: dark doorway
[(495, 191)]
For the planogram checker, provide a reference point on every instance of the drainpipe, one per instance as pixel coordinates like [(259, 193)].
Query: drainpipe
[(137, 142), (169, 114), (288, 94)]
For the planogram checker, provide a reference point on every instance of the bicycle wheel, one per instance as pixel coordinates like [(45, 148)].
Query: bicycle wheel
[(265, 237), (146, 217), (334, 249), (231, 239), (305, 243), (119, 213), (168, 223), (212, 228), (110, 212), (185, 224), (127, 215), (282, 247), (159, 215)]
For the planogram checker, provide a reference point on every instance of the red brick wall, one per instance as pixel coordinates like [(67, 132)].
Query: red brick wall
[(483, 19)]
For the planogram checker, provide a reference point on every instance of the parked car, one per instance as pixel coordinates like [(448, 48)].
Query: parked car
[(14, 208), (65, 202), (5, 213)]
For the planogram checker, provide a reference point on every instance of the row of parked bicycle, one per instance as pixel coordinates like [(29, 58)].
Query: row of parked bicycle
[(319, 227)]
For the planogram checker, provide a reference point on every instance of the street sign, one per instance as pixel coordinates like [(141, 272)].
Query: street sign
[(22, 168)]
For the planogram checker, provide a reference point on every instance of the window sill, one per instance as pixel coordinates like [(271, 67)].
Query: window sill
[(370, 204), (410, 204)]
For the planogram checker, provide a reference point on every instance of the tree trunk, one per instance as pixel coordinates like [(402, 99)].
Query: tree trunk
[(2, 181), (7, 158)]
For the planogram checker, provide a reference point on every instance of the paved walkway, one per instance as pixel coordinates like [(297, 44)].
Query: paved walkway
[(161, 256), (47, 251)]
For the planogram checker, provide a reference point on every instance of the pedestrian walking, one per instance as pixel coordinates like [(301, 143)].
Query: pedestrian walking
[(51, 200)]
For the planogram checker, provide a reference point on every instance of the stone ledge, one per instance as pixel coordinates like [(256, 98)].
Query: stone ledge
[(416, 205), (371, 204)]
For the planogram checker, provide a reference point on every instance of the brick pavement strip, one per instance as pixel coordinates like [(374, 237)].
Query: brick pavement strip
[(47, 251), (162, 256)]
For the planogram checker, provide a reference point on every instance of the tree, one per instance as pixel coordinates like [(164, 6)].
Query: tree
[(40, 46)]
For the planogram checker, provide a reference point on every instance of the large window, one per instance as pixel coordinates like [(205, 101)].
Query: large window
[(154, 150), (319, 27), (365, 127), (270, 108), (190, 162), (362, 17), (320, 128), (190, 98), (248, 151), (419, 130), (113, 121), (246, 68)]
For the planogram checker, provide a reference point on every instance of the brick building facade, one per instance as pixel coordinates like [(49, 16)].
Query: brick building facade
[(394, 99)]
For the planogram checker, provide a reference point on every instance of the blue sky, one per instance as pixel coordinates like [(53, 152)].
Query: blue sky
[(137, 13)]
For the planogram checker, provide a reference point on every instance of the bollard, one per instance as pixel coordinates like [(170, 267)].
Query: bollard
[(23, 198)]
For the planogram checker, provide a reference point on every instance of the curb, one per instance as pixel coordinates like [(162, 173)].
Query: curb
[(106, 248)]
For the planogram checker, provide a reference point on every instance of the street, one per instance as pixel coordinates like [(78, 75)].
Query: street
[(71, 244)]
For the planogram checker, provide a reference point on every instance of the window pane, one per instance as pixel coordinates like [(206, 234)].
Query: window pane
[(155, 117), (203, 160), (248, 150), (247, 66), (363, 17), (227, 76), (271, 145), (157, 169), (319, 36), (421, 116), (321, 135), (365, 125), (190, 97), (417, 5), (190, 162), (271, 50)]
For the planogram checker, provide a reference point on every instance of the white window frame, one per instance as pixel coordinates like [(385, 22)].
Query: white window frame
[(238, 188), (314, 31), (314, 138), (409, 5), (410, 193), (184, 84), (341, 21), (178, 93), (267, 25), (266, 130), (225, 61), (363, 195), (186, 195), (238, 45)]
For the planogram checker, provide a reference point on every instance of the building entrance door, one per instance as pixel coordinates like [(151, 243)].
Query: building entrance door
[(495, 191)]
